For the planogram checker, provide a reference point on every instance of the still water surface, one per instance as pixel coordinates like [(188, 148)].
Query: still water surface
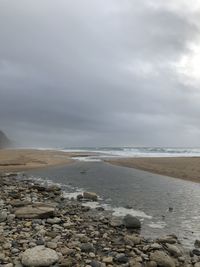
[(149, 195)]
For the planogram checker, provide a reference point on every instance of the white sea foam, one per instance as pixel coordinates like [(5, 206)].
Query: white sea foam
[(116, 152), (157, 225), (120, 211)]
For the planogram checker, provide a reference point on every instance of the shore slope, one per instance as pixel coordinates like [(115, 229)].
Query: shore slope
[(186, 168)]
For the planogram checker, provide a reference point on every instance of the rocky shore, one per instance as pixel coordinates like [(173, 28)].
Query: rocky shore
[(39, 227)]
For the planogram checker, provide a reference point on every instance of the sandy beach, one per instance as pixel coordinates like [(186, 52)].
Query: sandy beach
[(26, 159), (187, 168)]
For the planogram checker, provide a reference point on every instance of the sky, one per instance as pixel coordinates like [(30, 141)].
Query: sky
[(100, 72)]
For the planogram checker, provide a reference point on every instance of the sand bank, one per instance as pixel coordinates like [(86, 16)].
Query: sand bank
[(187, 168), (25, 159)]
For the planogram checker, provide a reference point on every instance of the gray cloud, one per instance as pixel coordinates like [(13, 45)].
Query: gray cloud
[(80, 73)]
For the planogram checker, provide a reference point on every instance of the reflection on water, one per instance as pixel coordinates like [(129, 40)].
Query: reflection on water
[(148, 195)]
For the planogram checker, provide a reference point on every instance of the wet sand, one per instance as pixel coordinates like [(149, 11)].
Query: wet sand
[(27, 159), (186, 168)]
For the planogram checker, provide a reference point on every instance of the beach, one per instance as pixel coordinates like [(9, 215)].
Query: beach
[(26, 159), (186, 168)]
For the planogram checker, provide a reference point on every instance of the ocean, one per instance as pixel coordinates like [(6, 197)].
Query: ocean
[(120, 152)]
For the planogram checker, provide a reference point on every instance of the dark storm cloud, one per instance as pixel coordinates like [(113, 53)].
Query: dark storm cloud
[(96, 73)]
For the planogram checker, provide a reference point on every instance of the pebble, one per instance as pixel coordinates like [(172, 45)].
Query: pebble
[(77, 236)]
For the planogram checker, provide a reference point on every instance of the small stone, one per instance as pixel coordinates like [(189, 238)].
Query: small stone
[(53, 220), (39, 256), (39, 242), (121, 258), (162, 259), (196, 252), (51, 245), (86, 247), (107, 260), (116, 222), (197, 243), (92, 255), (151, 264), (97, 264), (3, 216), (131, 222), (90, 196), (28, 224), (173, 250)]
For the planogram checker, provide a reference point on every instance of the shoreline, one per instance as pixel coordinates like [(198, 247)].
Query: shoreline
[(40, 223), (185, 168), (28, 159)]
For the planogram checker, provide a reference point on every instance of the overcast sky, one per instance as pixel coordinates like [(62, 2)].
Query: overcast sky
[(100, 72)]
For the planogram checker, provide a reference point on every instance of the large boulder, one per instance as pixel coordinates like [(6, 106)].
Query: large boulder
[(162, 259), (4, 141), (90, 196), (39, 256), (35, 211), (131, 222)]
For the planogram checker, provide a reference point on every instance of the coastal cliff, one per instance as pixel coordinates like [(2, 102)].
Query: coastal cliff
[(4, 141)]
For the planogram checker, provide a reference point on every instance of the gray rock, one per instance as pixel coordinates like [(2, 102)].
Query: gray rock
[(39, 256), (53, 220), (90, 196), (97, 264), (51, 245), (170, 239), (35, 211), (197, 243), (3, 216), (173, 250), (196, 252), (116, 222), (131, 222), (86, 247), (162, 259), (121, 258)]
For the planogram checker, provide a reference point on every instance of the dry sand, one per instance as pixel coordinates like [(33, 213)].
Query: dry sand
[(25, 159), (183, 168)]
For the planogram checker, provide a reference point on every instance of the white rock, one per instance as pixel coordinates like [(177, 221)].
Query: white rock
[(39, 256)]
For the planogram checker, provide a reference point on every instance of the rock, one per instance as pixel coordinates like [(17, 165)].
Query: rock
[(131, 222), (151, 264), (196, 252), (197, 243), (171, 239), (39, 256), (155, 246), (132, 240), (79, 197), (51, 245), (108, 260), (121, 258), (197, 264), (35, 211), (4, 141), (86, 247), (54, 220), (3, 216), (97, 264), (19, 203), (162, 259), (90, 196), (173, 250), (116, 222)]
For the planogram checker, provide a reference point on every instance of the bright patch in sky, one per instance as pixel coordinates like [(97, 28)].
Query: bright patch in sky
[(189, 64)]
